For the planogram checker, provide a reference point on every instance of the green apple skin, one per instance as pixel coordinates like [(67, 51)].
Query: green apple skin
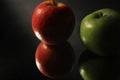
[(100, 69), (100, 32), (91, 70)]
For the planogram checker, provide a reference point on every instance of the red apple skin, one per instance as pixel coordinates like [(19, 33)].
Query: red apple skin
[(53, 24), (54, 61)]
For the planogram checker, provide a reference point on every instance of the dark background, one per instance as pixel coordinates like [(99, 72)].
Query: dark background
[(18, 43)]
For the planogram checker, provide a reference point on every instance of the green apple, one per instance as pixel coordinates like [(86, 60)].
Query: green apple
[(100, 69), (100, 31)]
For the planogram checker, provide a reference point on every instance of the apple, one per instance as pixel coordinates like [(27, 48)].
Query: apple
[(53, 22), (100, 68), (100, 32), (54, 61)]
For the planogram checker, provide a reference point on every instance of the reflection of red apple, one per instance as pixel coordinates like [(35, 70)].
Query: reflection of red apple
[(53, 22), (54, 61)]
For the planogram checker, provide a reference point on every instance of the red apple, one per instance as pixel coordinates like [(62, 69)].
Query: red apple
[(54, 61), (53, 22)]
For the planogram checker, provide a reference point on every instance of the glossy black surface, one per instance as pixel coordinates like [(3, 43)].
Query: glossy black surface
[(18, 42)]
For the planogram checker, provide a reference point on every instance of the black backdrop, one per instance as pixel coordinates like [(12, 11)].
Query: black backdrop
[(18, 43)]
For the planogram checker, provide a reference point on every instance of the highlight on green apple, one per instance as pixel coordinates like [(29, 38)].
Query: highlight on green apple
[(100, 32)]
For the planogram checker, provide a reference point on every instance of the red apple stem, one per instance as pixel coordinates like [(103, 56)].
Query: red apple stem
[(53, 2)]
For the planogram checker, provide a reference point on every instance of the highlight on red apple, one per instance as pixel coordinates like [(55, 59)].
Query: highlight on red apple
[(53, 22)]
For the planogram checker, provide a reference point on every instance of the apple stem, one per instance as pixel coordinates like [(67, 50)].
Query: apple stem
[(53, 2)]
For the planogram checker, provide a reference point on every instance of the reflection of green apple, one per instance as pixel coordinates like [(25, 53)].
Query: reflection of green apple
[(100, 69), (100, 31)]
